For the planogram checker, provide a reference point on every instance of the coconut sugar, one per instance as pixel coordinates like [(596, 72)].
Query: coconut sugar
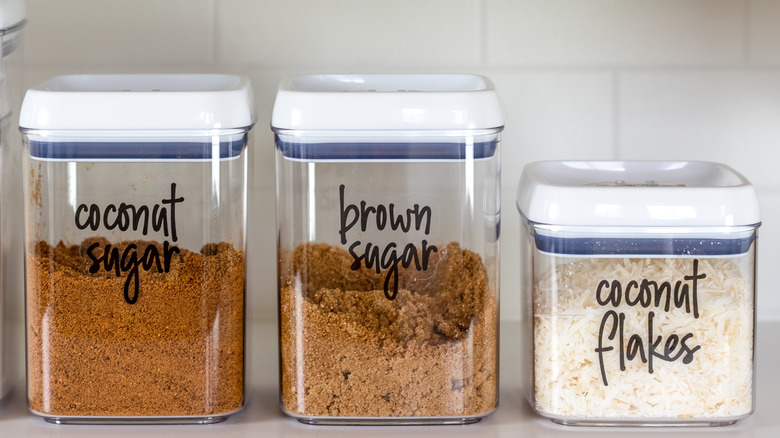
[(177, 351)]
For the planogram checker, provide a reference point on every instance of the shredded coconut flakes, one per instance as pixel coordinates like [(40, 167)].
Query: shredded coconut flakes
[(567, 375)]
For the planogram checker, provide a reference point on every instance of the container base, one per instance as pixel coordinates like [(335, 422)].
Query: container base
[(634, 423), (67, 419), (127, 421), (388, 421)]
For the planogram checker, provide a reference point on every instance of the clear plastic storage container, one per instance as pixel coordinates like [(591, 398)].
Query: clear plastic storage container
[(135, 190), (388, 231), (639, 286), (12, 20)]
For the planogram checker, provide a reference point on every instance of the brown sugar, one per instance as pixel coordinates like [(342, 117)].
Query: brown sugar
[(178, 351), (348, 351)]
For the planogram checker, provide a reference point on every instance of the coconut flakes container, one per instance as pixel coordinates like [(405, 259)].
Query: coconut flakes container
[(639, 291)]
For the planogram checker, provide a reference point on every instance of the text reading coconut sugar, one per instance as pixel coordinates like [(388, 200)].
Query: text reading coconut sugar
[(161, 217)]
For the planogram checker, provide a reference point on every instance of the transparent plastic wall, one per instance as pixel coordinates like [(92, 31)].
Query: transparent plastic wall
[(11, 205), (136, 274), (92, 193), (388, 275), (640, 326)]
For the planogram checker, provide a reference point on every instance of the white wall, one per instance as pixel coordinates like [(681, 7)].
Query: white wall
[(581, 79)]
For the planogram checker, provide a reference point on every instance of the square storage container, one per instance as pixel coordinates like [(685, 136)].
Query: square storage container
[(639, 291), (388, 231), (135, 193)]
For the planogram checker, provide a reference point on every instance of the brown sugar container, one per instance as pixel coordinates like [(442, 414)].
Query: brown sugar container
[(135, 189), (388, 223)]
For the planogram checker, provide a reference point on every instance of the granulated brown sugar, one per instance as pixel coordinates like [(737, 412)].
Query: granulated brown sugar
[(348, 351), (178, 351)]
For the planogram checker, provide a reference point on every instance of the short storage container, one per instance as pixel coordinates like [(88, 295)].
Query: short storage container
[(639, 286)]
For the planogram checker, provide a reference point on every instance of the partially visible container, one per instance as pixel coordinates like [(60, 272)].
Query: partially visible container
[(388, 232), (135, 189), (639, 286), (12, 20)]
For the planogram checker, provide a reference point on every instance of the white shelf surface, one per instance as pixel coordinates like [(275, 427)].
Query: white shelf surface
[(262, 417)]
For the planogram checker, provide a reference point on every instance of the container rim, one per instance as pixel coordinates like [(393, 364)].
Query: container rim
[(139, 102), (636, 193), (387, 102), (634, 241)]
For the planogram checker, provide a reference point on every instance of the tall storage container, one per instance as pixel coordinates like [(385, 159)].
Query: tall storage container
[(135, 189), (12, 20), (640, 291), (388, 232)]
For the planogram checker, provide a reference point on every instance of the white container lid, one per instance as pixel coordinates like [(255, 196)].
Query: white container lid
[(636, 193), (12, 14), (139, 102), (387, 102)]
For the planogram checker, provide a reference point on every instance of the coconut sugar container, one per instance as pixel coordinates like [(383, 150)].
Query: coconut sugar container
[(639, 286), (387, 220), (135, 189)]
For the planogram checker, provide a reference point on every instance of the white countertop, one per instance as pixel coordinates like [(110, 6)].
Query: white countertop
[(262, 417)]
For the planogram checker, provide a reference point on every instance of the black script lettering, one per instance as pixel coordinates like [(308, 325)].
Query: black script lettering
[(688, 350), (172, 201), (351, 214), (129, 263), (93, 217), (681, 294), (106, 221), (694, 278), (140, 214), (635, 346), (642, 297), (661, 292), (614, 293), (610, 336), (387, 258), (345, 213), (674, 348), (128, 216)]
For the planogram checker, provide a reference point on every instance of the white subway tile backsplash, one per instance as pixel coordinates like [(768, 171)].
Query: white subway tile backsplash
[(764, 22), (261, 253), (607, 32), (550, 116), (264, 84), (580, 79), (553, 116), (335, 34), (729, 117), (511, 294), (768, 306), (126, 34)]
